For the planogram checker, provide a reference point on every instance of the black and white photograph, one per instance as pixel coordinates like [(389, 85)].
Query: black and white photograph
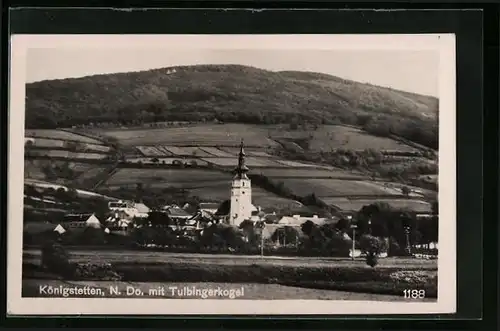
[(224, 174)]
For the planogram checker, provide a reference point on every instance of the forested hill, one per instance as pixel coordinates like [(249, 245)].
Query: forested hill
[(230, 93)]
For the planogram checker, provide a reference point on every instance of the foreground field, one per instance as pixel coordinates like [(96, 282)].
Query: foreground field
[(391, 278), (146, 257), (31, 288)]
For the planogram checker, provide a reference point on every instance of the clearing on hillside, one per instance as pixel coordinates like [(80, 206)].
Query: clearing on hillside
[(60, 135), (338, 187), (284, 173), (249, 161), (77, 173), (356, 204), (167, 177), (210, 135), (67, 154), (327, 138)]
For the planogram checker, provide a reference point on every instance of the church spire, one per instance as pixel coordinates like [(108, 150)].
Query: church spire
[(241, 169)]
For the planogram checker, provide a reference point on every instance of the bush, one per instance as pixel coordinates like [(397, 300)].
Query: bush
[(56, 259), (99, 271), (372, 247)]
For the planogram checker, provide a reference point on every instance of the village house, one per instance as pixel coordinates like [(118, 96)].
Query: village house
[(297, 220), (80, 221), (209, 207), (132, 209), (176, 213)]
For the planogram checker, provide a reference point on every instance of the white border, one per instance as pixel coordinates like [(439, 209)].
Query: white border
[(442, 43)]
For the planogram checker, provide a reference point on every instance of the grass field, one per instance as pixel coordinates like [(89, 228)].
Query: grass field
[(249, 161), (217, 152), (150, 257), (200, 135), (330, 137), (187, 151), (33, 168), (284, 173), (260, 197), (67, 155), (391, 276), (337, 187), (357, 204), (188, 177), (168, 160), (248, 151), (30, 288), (60, 135)]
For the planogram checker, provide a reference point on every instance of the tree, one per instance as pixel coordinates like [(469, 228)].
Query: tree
[(224, 208), (372, 247), (343, 225), (56, 259), (406, 190), (286, 235), (248, 229)]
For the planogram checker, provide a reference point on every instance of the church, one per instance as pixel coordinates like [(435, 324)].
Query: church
[(241, 207)]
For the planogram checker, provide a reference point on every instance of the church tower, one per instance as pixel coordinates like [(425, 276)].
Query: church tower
[(241, 192)]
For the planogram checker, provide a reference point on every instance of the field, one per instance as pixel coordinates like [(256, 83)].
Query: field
[(260, 197), (33, 169), (168, 160), (249, 161), (60, 135), (330, 137), (204, 183), (168, 177), (151, 257), (357, 204), (67, 155), (195, 135), (337, 187), (234, 151), (391, 276), (284, 173), (257, 138)]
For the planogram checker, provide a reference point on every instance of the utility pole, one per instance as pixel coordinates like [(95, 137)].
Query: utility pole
[(353, 227), (262, 226), (407, 233)]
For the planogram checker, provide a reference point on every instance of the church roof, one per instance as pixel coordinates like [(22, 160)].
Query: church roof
[(241, 169)]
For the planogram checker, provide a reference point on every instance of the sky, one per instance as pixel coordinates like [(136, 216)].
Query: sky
[(408, 70)]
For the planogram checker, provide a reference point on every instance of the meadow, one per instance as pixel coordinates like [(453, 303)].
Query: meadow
[(188, 177), (284, 173), (249, 161), (152, 258), (194, 135), (389, 277), (331, 137), (33, 169), (168, 160), (338, 187), (357, 204), (60, 135), (66, 154)]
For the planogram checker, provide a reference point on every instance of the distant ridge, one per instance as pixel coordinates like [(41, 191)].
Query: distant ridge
[(229, 93)]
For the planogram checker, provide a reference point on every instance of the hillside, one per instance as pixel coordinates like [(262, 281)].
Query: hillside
[(230, 93)]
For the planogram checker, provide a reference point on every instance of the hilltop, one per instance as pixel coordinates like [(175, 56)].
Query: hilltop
[(231, 93)]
